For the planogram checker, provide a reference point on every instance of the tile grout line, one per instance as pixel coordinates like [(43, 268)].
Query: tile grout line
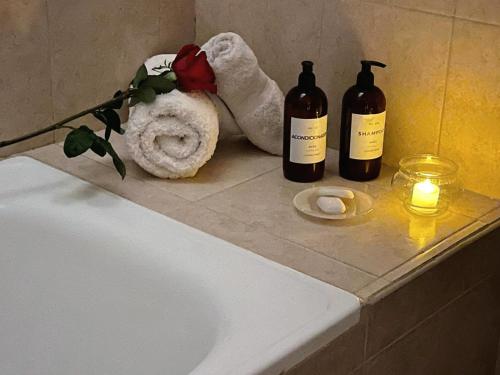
[(376, 277), (434, 246), (409, 9), (308, 249), (419, 270), (330, 257), (426, 319), (130, 176), (159, 24), (434, 13), (474, 220), (237, 184), (51, 68), (367, 332), (322, 21), (195, 21), (485, 23), (305, 249), (171, 192), (447, 76)]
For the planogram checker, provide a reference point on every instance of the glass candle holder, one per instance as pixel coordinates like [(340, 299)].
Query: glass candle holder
[(426, 184)]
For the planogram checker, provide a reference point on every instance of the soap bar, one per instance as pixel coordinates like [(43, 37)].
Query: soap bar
[(331, 205), (335, 192)]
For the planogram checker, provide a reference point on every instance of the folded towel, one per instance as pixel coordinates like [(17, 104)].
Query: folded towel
[(176, 134), (227, 123), (254, 99), (173, 136)]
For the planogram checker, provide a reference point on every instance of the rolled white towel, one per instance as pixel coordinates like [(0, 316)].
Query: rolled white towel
[(227, 123), (173, 136), (255, 100)]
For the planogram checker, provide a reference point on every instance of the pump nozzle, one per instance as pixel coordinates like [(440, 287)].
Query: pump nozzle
[(307, 66), (369, 63), (365, 77), (307, 78)]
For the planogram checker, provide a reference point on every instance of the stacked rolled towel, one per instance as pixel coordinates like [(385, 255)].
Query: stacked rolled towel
[(175, 135), (254, 99)]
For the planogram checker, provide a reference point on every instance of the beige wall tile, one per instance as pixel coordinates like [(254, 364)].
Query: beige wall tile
[(435, 254), (98, 45), (470, 130), (340, 357), (213, 17), (414, 45), (481, 258), (254, 238), (25, 79), (473, 204), (294, 35), (446, 7), (267, 201), (281, 33), (235, 160), (491, 217), (177, 25), (403, 33), (460, 339), (401, 310), (466, 203), (479, 10), (247, 18)]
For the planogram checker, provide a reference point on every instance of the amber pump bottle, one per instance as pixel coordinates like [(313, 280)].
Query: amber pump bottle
[(362, 127), (305, 125)]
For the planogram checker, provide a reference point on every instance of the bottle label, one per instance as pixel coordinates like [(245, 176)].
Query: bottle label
[(367, 136), (308, 140)]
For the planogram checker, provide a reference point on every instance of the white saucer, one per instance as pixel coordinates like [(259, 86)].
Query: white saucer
[(305, 202)]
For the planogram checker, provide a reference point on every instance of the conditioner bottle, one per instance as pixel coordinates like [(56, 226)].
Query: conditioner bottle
[(305, 125), (362, 127)]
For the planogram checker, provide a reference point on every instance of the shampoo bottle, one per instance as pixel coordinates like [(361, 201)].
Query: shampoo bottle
[(362, 127), (305, 125)]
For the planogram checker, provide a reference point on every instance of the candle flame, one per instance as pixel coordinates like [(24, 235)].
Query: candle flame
[(427, 186)]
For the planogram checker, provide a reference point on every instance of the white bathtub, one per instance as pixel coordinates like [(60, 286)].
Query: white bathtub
[(92, 284)]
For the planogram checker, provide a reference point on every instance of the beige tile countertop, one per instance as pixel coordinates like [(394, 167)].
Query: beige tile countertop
[(241, 196)]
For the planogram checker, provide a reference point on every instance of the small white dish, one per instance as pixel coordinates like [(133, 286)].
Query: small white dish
[(305, 202)]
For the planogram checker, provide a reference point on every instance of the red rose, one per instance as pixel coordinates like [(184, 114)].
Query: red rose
[(193, 70)]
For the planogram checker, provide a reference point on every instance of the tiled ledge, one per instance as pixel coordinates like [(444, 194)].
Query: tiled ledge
[(242, 197)]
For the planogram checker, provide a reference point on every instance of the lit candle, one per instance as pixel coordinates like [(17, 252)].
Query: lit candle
[(425, 195)]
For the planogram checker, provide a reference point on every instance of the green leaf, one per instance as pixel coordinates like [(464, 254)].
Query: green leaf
[(119, 165), (141, 75), (171, 76), (118, 104), (78, 141), (107, 133), (145, 95), (160, 84), (110, 118), (98, 148), (133, 101), (117, 162)]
